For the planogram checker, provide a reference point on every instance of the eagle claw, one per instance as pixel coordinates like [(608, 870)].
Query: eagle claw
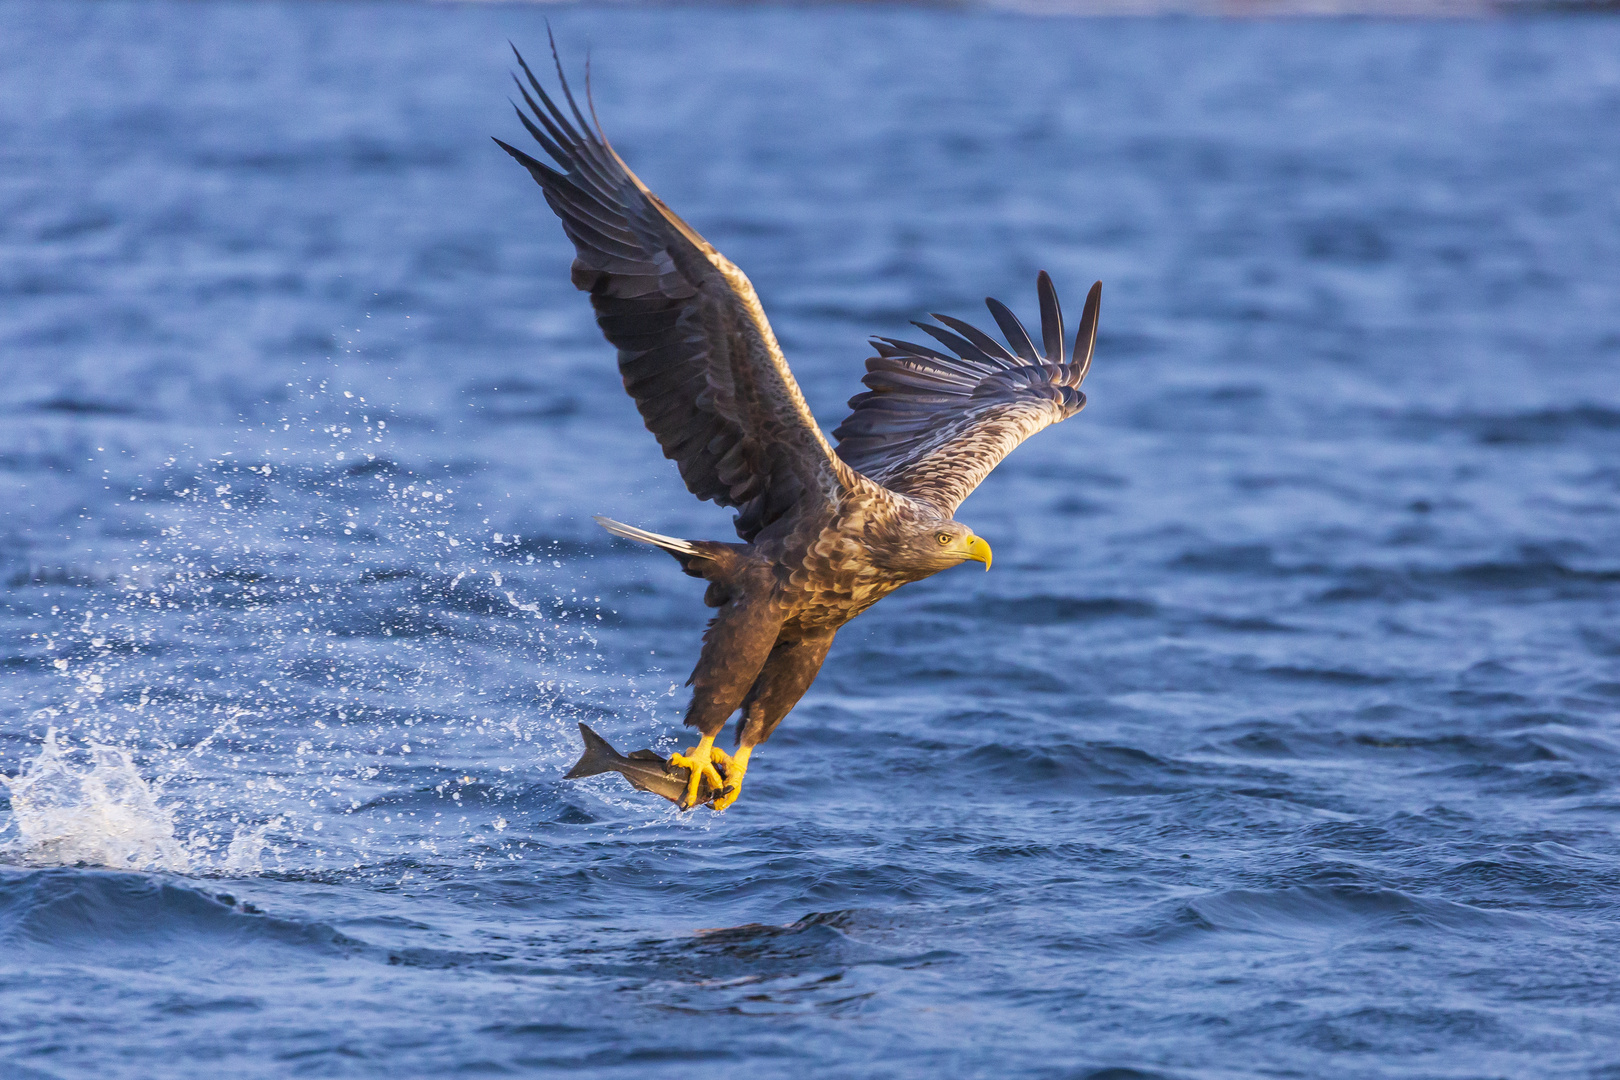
[(698, 760), (736, 767), (701, 761)]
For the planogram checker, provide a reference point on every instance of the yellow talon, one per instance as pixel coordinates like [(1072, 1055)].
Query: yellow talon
[(736, 769), (698, 759)]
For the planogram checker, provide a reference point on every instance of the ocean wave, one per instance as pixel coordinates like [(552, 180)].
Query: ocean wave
[(87, 911), (1067, 766), (1316, 912), (119, 917)]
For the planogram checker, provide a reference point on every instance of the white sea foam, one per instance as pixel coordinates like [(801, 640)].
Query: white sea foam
[(89, 804)]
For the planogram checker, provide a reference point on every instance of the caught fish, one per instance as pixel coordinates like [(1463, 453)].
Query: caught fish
[(644, 769)]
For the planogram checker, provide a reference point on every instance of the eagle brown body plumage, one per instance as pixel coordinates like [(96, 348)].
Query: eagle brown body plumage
[(826, 532)]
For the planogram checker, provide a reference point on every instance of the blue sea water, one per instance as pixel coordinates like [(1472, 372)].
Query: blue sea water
[(1282, 741)]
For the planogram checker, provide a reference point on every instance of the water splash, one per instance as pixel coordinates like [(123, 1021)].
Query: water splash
[(91, 807), (281, 638)]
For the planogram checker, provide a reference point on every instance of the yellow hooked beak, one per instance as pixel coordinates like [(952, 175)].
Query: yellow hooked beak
[(979, 551)]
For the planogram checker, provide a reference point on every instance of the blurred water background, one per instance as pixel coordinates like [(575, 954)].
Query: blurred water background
[(1281, 741)]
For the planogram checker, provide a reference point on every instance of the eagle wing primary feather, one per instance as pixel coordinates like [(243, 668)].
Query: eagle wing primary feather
[(695, 349), (932, 425)]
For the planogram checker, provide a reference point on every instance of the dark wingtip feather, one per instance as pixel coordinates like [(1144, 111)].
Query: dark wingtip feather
[(987, 344), (538, 169), (549, 146), (590, 99), (1012, 330), (524, 64), (568, 93), (1051, 318), (1085, 339), (965, 350)]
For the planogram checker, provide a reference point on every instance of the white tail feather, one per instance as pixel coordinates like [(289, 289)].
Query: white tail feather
[(630, 532)]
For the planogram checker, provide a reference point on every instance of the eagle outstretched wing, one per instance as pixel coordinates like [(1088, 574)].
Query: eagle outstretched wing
[(932, 425), (695, 349)]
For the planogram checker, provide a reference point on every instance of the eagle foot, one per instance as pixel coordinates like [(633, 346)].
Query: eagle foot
[(699, 760), (705, 760), (736, 766)]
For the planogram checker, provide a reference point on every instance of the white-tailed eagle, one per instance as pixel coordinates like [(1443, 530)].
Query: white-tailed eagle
[(828, 528)]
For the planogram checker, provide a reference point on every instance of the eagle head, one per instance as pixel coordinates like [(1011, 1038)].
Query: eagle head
[(927, 546)]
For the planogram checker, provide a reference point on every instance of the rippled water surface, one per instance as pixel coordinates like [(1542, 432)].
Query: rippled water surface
[(1281, 741)]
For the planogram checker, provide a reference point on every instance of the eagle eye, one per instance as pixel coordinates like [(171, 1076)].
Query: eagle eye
[(944, 538)]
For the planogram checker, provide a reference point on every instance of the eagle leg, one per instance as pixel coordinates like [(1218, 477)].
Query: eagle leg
[(788, 672), (735, 647)]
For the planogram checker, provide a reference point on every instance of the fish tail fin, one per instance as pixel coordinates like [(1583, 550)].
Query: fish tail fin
[(672, 544), (599, 757)]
